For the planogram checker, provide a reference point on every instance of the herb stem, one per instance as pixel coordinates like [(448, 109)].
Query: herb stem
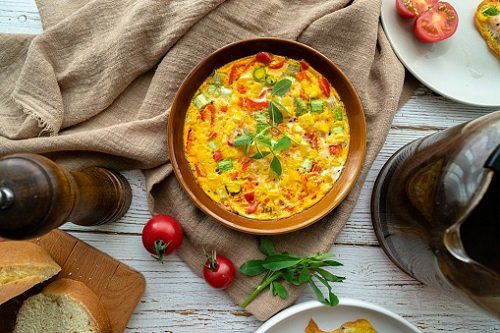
[(263, 285)]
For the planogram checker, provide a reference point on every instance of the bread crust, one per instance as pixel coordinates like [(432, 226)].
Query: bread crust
[(83, 295), (481, 25), (24, 255)]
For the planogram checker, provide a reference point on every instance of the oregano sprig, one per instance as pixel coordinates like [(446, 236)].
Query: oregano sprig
[(279, 268)]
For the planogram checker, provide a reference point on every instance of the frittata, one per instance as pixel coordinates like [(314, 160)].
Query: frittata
[(357, 326), (266, 136), (487, 21)]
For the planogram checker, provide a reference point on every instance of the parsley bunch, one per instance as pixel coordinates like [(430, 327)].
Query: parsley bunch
[(283, 267)]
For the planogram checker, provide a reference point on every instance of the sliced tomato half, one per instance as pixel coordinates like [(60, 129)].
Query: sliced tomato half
[(413, 8), (436, 24)]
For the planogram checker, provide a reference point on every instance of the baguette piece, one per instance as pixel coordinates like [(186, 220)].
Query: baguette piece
[(64, 306), (23, 264)]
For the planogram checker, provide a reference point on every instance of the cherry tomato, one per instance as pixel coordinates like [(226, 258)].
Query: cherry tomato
[(162, 235), (218, 271), (437, 23), (413, 8), (263, 57)]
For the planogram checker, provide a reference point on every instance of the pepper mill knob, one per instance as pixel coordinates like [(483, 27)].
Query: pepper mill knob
[(37, 195)]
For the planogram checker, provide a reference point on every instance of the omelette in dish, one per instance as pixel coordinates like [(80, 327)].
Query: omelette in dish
[(357, 326), (487, 21), (266, 136)]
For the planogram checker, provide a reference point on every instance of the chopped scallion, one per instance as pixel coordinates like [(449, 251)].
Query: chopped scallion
[(225, 92), (338, 115), (259, 74), (201, 101), (338, 130), (224, 165), (306, 164), (300, 106), (316, 106), (292, 69), (212, 145)]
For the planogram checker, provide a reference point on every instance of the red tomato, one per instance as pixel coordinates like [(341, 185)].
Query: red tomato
[(162, 235), (263, 57), (303, 64), (250, 196), (436, 24), (217, 156), (252, 207), (413, 8), (325, 87), (218, 271), (335, 149)]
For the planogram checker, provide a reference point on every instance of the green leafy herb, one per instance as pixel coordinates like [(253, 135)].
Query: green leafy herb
[(491, 11), (262, 137), (295, 270), (281, 87)]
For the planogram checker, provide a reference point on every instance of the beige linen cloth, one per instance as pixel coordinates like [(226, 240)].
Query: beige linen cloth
[(95, 89)]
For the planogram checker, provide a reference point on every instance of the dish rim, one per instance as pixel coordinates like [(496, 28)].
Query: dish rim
[(214, 210), (343, 301)]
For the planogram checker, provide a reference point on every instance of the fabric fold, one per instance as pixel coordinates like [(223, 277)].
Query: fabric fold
[(96, 86)]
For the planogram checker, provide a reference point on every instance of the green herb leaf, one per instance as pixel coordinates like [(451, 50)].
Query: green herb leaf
[(491, 11), (266, 246), (283, 143), (281, 87), (276, 166), (252, 267), (281, 106), (279, 290), (260, 154), (275, 262), (275, 113), (242, 140)]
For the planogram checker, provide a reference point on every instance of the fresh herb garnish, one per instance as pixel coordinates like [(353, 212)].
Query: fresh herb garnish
[(262, 137), (295, 270), (491, 11)]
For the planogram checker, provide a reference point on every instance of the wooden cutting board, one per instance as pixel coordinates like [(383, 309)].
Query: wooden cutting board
[(118, 286)]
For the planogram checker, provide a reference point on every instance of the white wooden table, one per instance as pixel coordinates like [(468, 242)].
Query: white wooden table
[(177, 300)]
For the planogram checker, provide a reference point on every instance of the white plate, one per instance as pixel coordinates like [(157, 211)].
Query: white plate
[(295, 318), (460, 67)]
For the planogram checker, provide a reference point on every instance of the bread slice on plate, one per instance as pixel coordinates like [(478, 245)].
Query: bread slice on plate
[(487, 21), (23, 264), (64, 306)]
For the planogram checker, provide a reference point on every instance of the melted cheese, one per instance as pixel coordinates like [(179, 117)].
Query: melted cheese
[(234, 101)]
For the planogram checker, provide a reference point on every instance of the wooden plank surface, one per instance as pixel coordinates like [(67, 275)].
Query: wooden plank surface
[(177, 300), (118, 287)]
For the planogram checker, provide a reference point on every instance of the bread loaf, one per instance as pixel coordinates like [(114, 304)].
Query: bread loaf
[(23, 264), (64, 306)]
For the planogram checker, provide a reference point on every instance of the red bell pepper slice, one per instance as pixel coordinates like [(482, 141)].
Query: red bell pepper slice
[(325, 86)]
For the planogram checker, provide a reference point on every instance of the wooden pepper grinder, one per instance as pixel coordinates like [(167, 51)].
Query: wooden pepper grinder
[(37, 195)]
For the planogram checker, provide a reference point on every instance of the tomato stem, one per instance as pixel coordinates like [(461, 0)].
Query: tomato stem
[(160, 248)]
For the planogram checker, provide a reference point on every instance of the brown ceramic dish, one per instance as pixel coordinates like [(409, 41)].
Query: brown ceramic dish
[(289, 49)]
